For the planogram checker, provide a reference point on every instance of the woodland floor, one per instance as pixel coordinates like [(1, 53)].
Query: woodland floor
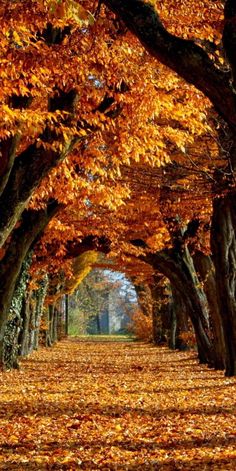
[(116, 406)]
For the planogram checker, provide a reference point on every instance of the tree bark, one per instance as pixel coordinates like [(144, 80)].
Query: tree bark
[(206, 270), (159, 310), (98, 323), (61, 318), (8, 152), (33, 223), (55, 325), (31, 336), (181, 319), (30, 167), (179, 269), (144, 297), (173, 330), (67, 314), (24, 334), (51, 308), (223, 244), (40, 296), (8, 147), (14, 324)]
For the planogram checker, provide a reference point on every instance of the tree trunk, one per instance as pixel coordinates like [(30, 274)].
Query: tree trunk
[(33, 223), (11, 339), (223, 244), (173, 330), (8, 151), (179, 268), (60, 318), (206, 270), (98, 323), (45, 339), (181, 319), (159, 309), (10, 345), (31, 166), (32, 311), (50, 326), (40, 296), (24, 334), (144, 296), (66, 314), (55, 325)]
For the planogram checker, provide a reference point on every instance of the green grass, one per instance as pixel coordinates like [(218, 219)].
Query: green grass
[(105, 338)]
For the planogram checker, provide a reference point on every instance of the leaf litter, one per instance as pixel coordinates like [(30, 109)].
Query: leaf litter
[(116, 406)]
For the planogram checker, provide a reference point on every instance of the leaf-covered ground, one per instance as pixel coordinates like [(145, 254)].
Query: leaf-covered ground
[(116, 406)]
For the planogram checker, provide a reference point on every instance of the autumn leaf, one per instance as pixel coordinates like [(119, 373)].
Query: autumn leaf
[(137, 405)]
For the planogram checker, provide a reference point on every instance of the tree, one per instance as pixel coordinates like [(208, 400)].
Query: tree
[(23, 240), (112, 125), (196, 65)]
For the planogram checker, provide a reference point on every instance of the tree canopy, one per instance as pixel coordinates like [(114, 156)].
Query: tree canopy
[(118, 136)]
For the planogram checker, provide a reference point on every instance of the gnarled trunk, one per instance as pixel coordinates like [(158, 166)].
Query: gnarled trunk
[(179, 268), (31, 166), (206, 270), (13, 329), (223, 242), (23, 239)]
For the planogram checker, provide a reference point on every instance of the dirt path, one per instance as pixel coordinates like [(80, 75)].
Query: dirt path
[(116, 406)]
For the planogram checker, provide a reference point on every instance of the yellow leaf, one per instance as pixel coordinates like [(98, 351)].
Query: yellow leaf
[(14, 439), (82, 132)]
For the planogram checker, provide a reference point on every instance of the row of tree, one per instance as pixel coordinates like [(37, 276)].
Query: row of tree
[(118, 135)]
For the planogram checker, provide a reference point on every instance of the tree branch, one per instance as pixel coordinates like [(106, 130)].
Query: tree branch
[(31, 166), (229, 36), (183, 56)]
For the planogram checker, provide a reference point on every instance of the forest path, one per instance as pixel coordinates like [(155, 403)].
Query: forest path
[(116, 406)]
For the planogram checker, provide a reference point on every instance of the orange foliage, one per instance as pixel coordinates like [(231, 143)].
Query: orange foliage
[(133, 119), (141, 326), (188, 338)]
